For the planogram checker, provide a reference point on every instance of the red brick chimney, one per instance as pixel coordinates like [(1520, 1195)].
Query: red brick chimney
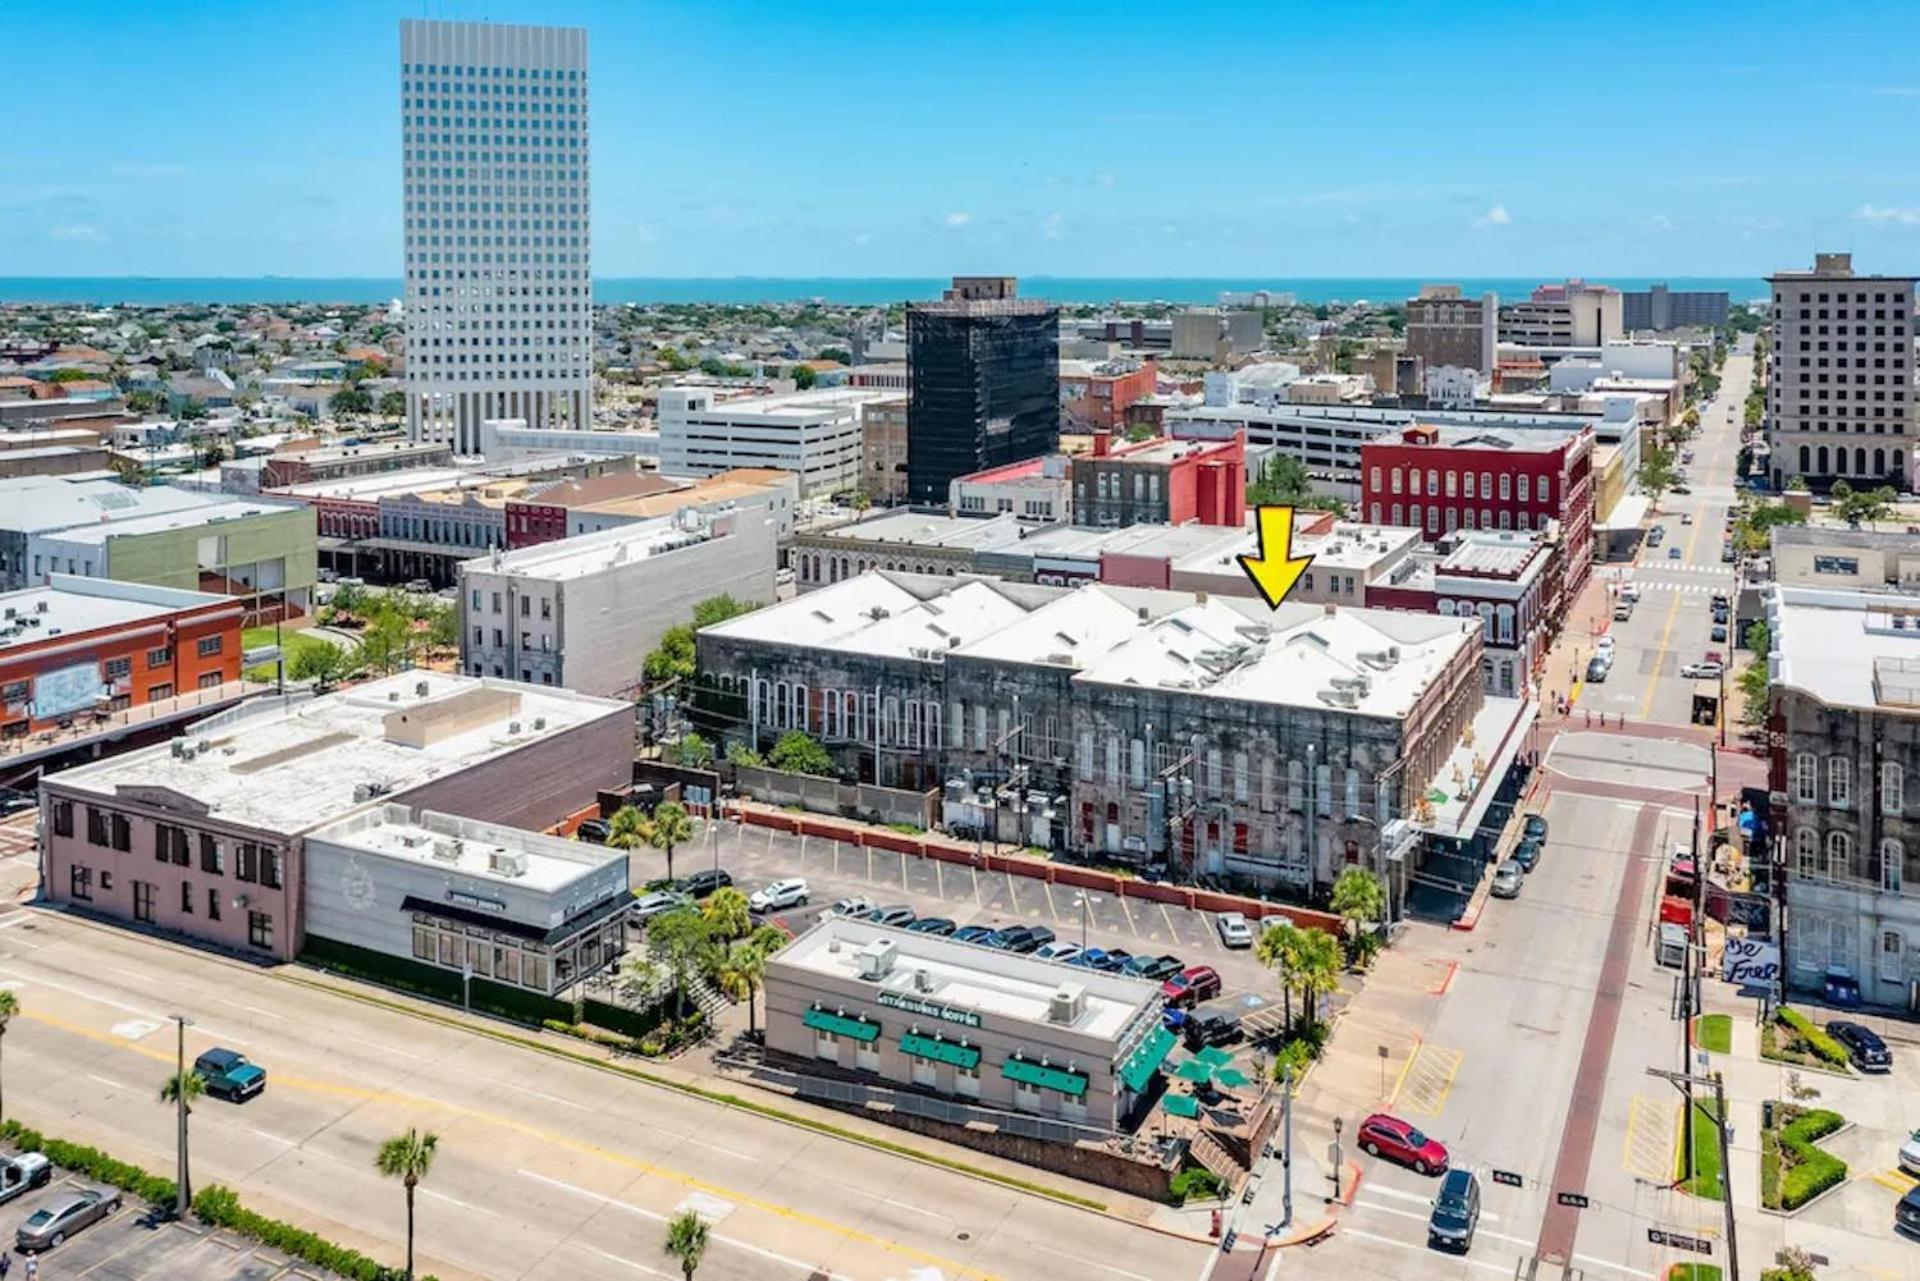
[(1102, 443)]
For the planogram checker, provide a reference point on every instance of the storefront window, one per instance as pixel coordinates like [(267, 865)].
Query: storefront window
[(967, 1081), (533, 972), (449, 950), (506, 964), (477, 958), (423, 943)]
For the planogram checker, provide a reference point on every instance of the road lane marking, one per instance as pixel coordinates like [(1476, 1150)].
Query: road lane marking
[(551, 1098), (1364, 1235), (1419, 1198), (108, 1082), (762, 1251), (1647, 1151), (1092, 1263), (637, 1267), (1430, 1080)]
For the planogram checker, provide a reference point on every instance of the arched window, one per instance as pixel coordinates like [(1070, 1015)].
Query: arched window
[(1806, 769), (1839, 855), (1859, 461), (1893, 788), (1820, 457), (1839, 782), (1893, 855), (1806, 845), (1806, 460), (1879, 462)]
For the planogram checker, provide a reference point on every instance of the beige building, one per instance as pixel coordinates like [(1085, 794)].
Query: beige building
[(883, 452), (1840, 391), (1846, 559), (1576, 314), (1445, 328)]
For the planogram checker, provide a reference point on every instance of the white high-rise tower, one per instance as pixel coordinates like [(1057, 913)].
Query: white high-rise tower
[(499, 287)]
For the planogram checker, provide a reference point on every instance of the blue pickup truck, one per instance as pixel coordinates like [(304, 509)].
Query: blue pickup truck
[(230, 1075)]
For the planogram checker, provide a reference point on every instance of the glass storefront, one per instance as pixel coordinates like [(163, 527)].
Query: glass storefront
[(518, 962)]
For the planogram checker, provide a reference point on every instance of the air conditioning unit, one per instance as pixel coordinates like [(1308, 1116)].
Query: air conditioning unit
[(503, 862), (447, 849), (876, 959), (1068, 1003), (923, 980)]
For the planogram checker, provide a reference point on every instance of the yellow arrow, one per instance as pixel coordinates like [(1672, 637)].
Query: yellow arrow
[(1275, 569)]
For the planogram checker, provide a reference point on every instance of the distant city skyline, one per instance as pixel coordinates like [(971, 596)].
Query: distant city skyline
[(854, 141)]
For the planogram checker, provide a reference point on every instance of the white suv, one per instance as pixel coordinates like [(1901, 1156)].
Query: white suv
[(791, 892)]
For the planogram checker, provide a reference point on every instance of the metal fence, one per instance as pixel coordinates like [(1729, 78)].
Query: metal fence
[(858, 1095)]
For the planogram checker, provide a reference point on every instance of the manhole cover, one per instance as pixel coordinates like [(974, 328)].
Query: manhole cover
[(963, 1236)]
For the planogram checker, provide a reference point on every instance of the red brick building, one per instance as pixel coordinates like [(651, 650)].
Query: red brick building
[(540, 516), (77, 646), (1440, 479), (1094, 396), (1160, 482)]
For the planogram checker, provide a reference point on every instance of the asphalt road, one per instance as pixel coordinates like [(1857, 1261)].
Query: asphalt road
[(546, 1168)]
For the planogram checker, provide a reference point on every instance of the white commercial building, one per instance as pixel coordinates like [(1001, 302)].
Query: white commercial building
[(511, 439), (499, 286), (814, 434), (583, 612)]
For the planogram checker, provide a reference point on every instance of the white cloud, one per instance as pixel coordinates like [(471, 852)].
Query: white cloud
[(959, 218), (78, 231), (1907, 215), (1051, 228), (1494, 217)]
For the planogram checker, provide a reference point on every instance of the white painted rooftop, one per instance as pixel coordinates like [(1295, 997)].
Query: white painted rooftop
[(1846, 648), (595, 553), (484, 851), (285, 766), (161, 522), (68, 604), (1000, 985)]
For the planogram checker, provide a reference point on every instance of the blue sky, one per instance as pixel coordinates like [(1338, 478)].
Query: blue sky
[(922, 138)]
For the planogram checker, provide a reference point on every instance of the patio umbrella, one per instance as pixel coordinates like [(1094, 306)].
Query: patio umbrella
[(1214, 1056), (1232, 1078), (1180, 1105), (1195, 1070)]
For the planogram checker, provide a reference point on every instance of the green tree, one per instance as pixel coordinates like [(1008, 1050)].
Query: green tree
[(1317, 962), (745, 967), (627, 829), (727, 913), (683, 942), (386, 639), (326, 665), (798, 753), (9, 1006), (692, 751), (183, 1088), (68, 376), (144, 402), (1657, 472), (686, 1243), (669, 827), (393, 404), (350, 402), (1284, 482), (192, 410), (349, 599), (1277, 948), (859, 501), (672, 658), (1858, 507), (803, 377), (839, 355), (409, 1158), (718, 609), (1753, 528), (741, 754), (1755, 688), (1360, 898)]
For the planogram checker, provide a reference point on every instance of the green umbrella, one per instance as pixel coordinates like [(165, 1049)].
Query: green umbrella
[(1194, 1070), (1233, 1078), (1180, 1105), (1214, 1056)]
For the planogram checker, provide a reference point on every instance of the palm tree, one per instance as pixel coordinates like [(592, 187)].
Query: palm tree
[(180, 1089), (746, 965), (9, 1006), (1359, 896), (668, 827), (1317, 962), (408, 1157), (687, 1239), (727, 913), (1276, 949), (627, 829)]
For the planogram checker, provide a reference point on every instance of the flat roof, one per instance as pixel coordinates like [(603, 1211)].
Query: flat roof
[(1001, 985), (329, 453), (1348, 545), (67, 604), (1162, 450), (37, 504), (1494, 555), (921, 529), (404, 481), (285, 765), (1846, 648), (447, 843), (161, 522), (728, 486), (584, 554), (1837, 536)]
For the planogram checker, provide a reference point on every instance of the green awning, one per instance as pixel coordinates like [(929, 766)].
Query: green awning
[(1073, 1083), (1194, 1070), (1181, 1105), (1146, 1059), (927, 1047), (840, 1025)]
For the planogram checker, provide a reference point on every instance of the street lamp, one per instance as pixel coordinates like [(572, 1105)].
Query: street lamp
[(1084, 901)]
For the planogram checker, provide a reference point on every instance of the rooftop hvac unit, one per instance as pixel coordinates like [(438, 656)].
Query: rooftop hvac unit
[(179, 747), (420, 689), (1068, 1003), (447, 849), (502, 862), (876, 959), (40, 607), (513, 727), (539, 722), (923, 980)]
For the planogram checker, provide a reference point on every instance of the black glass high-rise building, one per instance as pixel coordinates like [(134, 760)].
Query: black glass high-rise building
[(984, 366)]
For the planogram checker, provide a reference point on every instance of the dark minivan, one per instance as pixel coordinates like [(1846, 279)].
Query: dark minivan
[(1863, 1045), (1456, 1212)]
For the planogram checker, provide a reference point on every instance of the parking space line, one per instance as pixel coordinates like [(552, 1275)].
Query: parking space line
[(940, 878), (1053, 913), (1401, 1080), (1647, 1151), (869, 864), (1430, 1079), (1898, 1180), (903, 872), (1127, 912), (974, 872), (1167, 916)]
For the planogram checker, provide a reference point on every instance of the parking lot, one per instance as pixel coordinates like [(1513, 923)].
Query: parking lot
[(834, 870), (126, 1247)]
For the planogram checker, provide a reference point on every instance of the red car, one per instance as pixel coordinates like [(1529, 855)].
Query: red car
[(1402, 1143), (1191, 986)]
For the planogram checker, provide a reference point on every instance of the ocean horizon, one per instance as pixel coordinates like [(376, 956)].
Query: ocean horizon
[(849, 290)]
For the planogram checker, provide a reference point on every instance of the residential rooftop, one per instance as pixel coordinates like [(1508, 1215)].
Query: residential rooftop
[(285, 765), (962, 977)]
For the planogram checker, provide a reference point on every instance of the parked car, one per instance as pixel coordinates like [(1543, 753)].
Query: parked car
[(1656, 535), (1039, 936), (659, 902), (1682, 488), (1534, 828), (1702, 671), (1604, 646), (1673, 553), (1456, 1212), (418, 587), (1154, 967), (228, 1074), (790, 891), (1597, 668), (1719, 632), (594, 831), (1402, 1143), (898, 914), (705, 882), (1910, 1154), (933, 925), (856, 906), (50, 1225), (12, 802), (1202, 1030), (1686, 518), (973, 934), (1115, 961), (1906, 1215), (1507, 879), (1191, 986), (1234, 930), (1090, 959), (20, 1173), (1527, 854), (1057, 951), (1864, 1046)]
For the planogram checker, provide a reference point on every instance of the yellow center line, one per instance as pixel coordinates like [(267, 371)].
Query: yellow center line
[(284, 1080)]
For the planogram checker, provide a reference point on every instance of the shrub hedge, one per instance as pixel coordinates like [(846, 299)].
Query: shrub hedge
[(1195, 1183), (92, 1164), (1811, 1170), (1814, 1038)]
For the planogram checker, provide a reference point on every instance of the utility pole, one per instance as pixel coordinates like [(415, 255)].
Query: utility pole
[(1286, 1149), (1688, 964), (1685, 1081), (180, 1114), (1179, 803)]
